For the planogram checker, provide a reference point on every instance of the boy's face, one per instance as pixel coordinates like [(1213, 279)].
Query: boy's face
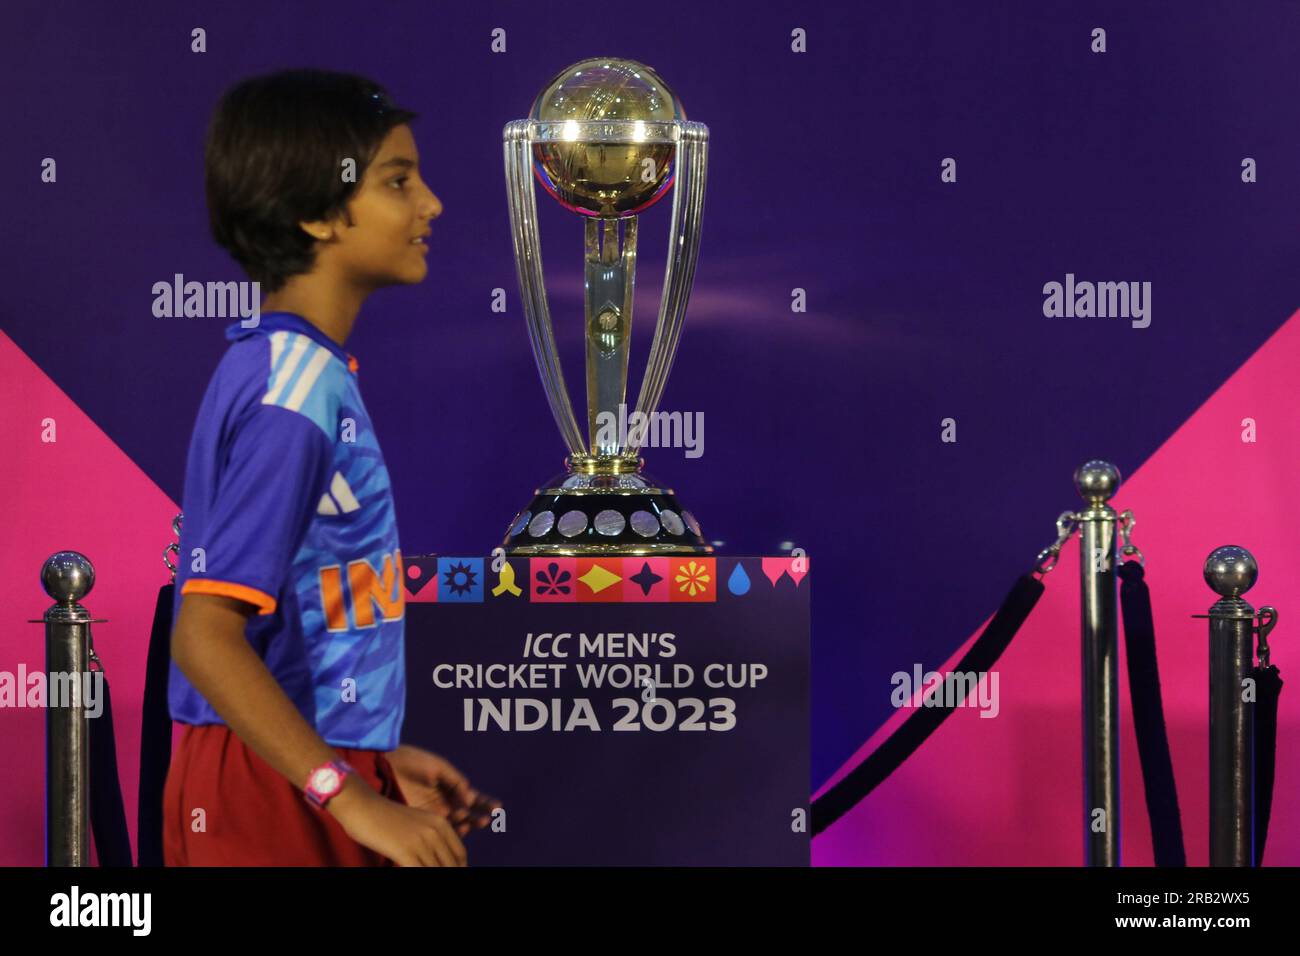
[(390, 212)]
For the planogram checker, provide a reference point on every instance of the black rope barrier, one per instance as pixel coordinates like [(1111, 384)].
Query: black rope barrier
[(885, 759), (107, 814), (1268, 688), (1149, 718), (155, 733)]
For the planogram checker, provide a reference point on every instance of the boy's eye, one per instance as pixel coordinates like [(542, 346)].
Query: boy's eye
[(400, 182)]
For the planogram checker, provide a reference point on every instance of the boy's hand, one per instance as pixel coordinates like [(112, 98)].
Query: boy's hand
[(431, 783), (409, 836)]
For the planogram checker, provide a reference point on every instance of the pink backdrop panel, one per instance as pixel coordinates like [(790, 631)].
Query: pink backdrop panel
[(1007, 790), (79, 493)]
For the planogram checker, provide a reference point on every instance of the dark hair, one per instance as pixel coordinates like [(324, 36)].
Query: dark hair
[(274, 158)]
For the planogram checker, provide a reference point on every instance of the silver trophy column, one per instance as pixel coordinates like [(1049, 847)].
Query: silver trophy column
[(1097, 481)]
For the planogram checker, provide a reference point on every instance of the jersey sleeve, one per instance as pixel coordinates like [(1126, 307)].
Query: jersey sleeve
[(266, 496)]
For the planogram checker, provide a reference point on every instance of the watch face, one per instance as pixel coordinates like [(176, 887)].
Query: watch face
[(325, 780)]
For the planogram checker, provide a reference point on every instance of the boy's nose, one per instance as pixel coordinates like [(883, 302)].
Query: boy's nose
[(434, 208)]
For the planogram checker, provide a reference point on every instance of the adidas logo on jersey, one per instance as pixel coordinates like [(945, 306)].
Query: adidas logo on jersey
[(339, 499)]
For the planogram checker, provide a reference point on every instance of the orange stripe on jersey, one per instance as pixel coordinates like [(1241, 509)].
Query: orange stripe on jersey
[(264, 602)]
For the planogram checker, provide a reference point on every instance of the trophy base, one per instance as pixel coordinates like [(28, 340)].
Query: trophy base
[(593, 515)]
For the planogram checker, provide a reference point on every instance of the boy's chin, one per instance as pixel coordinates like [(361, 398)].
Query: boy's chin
[(410, 276)]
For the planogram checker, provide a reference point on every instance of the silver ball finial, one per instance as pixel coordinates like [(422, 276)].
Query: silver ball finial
[(1096, 480), (1230, 571), (67, 576)]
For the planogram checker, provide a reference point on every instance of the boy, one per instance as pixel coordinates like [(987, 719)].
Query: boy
[(287, 651)]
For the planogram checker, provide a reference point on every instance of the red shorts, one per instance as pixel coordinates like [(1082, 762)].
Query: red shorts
[(252, 815)]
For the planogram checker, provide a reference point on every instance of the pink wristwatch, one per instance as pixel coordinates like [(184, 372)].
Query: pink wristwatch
[(326, 781)]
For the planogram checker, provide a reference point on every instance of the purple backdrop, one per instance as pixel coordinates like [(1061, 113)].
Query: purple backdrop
[(924, 298)]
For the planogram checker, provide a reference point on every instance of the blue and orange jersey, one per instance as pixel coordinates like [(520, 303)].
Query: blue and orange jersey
[(288, 506)]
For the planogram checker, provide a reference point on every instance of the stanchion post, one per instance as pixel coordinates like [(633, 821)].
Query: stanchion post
[(1096, 482), (67, 577), (1231, 571)]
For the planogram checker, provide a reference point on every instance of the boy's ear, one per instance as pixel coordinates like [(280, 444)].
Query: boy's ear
[(319, 229), (324, 230)]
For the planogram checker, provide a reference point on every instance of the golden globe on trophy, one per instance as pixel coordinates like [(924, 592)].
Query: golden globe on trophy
[(607, 139)]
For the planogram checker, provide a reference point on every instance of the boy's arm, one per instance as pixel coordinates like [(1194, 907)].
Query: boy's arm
[(209, 646), (263, 503)]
